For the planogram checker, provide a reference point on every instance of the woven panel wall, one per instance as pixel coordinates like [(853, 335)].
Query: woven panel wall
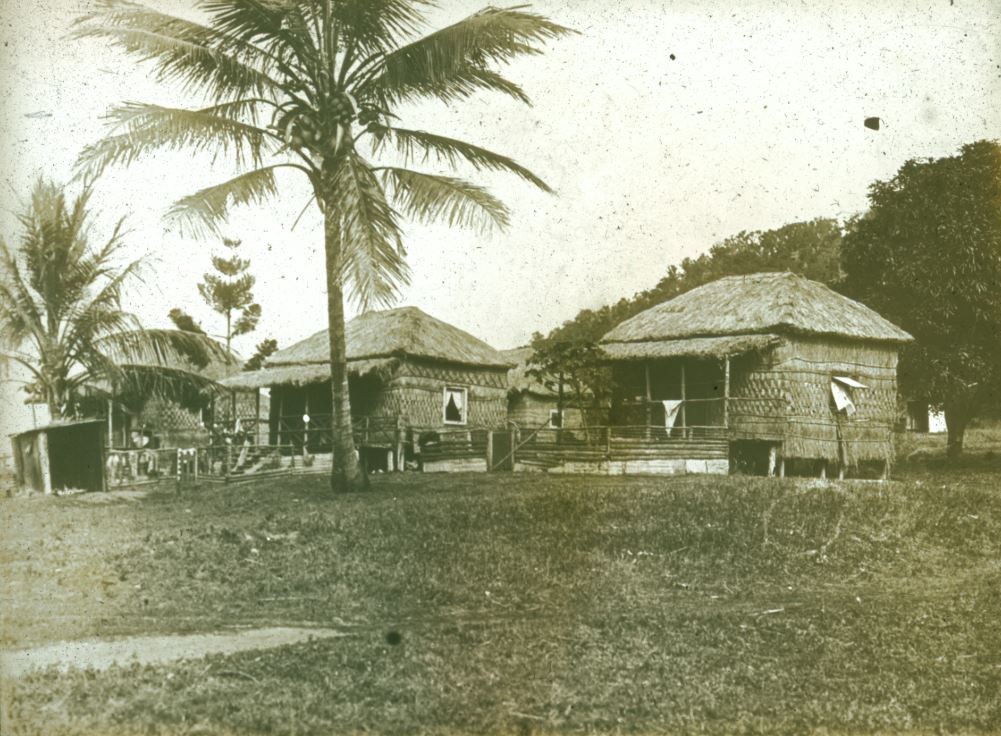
[(461, 375), (788, 398), (422, 406), (531, 412), (165, 415), (246, 407)]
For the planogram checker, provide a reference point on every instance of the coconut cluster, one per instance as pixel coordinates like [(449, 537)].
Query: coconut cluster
[(320, 132)]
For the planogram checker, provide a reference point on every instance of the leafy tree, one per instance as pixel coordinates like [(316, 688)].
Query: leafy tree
[(311, 86), (811, 249), (184, 321), (927, 256), (564, 363), (264, 350), (61, 313)]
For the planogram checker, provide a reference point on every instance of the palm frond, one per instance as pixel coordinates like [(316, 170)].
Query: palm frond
[(161, 348), (251, 21), (417, 145), (101, 313), (372, 264), (189, 389), (279, 26), (198, 56), (430, 198), (452, 62), (20, 315), (203, 211), (460, 84), (152, 127), (378, 25)]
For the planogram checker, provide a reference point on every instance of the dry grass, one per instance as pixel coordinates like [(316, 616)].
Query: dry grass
[(525, 603)]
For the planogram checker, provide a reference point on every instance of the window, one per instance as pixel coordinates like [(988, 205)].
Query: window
[(554, 419), (454, 405), (842, 388)]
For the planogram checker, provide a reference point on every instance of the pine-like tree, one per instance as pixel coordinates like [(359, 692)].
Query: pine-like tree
[(230, 292)]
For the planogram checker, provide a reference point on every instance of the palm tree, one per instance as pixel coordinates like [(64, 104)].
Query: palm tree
[(61, 315), (311, 86)]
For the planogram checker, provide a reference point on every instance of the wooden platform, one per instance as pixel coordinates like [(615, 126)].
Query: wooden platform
[(630, 457)]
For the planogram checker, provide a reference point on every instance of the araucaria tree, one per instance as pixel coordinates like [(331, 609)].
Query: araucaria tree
[(313, 86), (230, 292), (927, 256), (61, 313)]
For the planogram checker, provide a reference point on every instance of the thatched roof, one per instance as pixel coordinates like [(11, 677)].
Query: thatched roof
[(518, 379), (406, 331), (159, 364), (303, 374), (373, 340), (692, 347), (756, 304)]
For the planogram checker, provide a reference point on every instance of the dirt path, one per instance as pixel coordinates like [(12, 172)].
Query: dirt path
[(101, 654)]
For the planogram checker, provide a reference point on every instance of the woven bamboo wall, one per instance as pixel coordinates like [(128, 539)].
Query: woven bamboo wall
[(416, 393), (785, 396), (165, 415), (529, 411)]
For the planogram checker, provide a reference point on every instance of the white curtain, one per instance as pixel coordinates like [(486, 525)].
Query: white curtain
[(672, 408), (456, 395), (842, 401)]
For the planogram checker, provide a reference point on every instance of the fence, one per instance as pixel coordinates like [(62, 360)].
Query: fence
[(637, 448), (316, 435), (453, 450)]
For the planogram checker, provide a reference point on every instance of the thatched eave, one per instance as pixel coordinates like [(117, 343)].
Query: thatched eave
[(694, 347), (303, 374)]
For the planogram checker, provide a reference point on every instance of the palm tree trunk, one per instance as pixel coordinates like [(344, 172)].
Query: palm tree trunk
[(346, 473)]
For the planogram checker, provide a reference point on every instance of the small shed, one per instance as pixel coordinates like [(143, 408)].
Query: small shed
[(531, 403), (775, 365), (61, 455)]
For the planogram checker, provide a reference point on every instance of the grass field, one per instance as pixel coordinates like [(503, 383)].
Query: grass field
[(527, 604)]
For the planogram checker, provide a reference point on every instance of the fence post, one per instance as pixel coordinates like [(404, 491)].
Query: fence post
[(400, 451), (726, 394), (684, 403), (515, 439), (490, 449), (648, 397), (178, 470)]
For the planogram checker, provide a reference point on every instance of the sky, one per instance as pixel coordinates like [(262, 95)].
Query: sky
[(664, 127)]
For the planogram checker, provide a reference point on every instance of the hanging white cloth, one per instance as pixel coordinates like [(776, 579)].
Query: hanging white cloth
[(842, 401), (671, 409)]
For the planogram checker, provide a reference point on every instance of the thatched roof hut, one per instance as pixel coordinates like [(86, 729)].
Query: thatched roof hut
[(740, 312), (533, 403), (376, 341), (406, 369), (169, 387), (770, 358)]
